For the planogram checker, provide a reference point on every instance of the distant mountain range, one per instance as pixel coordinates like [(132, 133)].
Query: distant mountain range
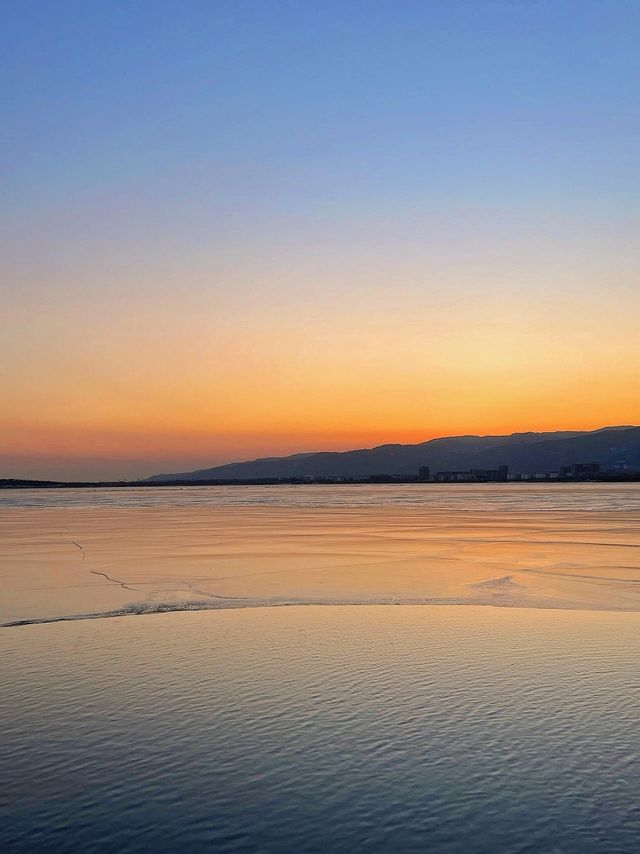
[(522, 452)]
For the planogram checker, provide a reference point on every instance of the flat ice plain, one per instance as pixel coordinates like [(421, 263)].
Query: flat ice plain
[(71, 554)]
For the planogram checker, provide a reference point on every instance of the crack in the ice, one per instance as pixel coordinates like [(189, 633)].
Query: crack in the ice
[(122, 584)]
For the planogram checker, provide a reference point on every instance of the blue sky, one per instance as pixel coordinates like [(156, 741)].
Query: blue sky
[(321, 102), (293, 162)]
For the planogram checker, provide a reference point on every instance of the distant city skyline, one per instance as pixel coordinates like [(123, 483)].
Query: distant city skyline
[(241, 230)]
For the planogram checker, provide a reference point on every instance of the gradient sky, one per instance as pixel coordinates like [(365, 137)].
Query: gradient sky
[(232, 229)]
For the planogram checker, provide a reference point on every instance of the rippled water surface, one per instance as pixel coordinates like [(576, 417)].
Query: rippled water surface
[(371, 728), (293, 729)]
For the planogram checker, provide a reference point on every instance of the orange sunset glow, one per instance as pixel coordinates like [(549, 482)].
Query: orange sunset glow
[(278, 268), (147, 387)]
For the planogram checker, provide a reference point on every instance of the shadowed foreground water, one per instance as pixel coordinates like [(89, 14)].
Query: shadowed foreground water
[(370, 728)]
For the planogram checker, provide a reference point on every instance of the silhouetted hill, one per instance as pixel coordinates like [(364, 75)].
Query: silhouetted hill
[(522, 452)]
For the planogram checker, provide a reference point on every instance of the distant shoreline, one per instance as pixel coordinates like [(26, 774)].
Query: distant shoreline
[(375, 480)]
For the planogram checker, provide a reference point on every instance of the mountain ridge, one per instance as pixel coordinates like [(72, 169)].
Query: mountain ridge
[(522, 452)]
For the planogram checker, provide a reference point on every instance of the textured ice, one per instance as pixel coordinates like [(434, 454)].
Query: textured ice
[(73, 554)]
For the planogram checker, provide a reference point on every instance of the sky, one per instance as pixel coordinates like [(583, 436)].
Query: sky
[(239, 229)]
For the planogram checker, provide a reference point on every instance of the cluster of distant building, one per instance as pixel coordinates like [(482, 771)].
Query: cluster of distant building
[(499, 475), (575, 471)]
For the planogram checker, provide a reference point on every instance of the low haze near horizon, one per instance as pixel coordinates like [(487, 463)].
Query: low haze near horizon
[(238, 229)]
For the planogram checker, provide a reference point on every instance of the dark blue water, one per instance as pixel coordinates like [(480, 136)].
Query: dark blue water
[(346, 729)]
